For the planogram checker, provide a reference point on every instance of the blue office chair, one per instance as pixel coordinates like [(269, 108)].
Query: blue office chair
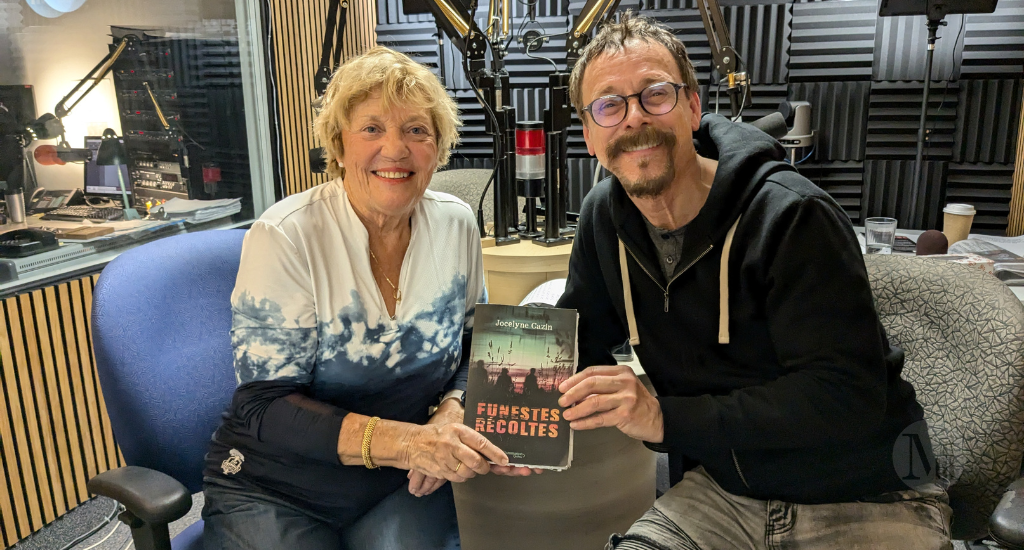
[(161, 320)]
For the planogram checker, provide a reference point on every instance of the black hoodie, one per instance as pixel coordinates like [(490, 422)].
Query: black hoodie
[(804, 403)]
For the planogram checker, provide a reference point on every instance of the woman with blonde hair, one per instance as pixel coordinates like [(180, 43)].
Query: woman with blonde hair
[(352, 308)]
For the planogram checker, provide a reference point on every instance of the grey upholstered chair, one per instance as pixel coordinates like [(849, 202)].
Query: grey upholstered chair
[(467, 184), (963, 334)]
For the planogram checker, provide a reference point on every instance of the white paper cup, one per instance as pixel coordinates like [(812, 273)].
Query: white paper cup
[(956, 221)]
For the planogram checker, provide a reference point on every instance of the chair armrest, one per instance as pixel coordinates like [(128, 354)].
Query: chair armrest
[(152, 496), (1006, 525)]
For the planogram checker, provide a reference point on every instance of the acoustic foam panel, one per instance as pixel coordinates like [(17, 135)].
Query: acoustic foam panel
[(839, 117), (994, 43), (832, 41), (894, 114), (844, 181), (988, 115), (986, 186), (888, 188), (901, 45)]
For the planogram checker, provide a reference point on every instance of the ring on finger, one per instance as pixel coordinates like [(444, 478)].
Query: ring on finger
[(457, 467)]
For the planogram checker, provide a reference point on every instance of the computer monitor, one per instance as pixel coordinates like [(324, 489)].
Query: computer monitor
[(102, 180)]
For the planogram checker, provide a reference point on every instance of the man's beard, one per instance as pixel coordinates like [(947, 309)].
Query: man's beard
[(649, 186)]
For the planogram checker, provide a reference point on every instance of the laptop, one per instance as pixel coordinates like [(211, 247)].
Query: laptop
[(102, 190)]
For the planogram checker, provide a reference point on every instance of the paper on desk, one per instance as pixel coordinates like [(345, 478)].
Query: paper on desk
[(183, 207), (1013, 244)]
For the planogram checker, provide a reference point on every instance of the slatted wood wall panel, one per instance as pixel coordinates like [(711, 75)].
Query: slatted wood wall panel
[(54, 430), (297, 35), (1016, 226)]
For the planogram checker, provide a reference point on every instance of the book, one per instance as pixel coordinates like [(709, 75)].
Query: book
[(518, 358), (1006, 266)]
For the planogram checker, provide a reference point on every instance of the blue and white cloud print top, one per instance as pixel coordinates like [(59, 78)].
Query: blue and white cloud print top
[(306, 308)]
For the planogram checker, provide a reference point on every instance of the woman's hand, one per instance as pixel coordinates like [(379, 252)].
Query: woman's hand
[(445, 448), (421, 484)]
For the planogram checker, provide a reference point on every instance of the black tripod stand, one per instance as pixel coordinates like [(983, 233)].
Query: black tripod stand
[(936, 11)]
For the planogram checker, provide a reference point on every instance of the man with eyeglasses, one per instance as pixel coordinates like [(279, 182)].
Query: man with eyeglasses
[(742, 289)]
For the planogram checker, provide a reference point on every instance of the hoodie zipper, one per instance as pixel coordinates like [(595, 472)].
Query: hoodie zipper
[(665, 288), (736, 463)]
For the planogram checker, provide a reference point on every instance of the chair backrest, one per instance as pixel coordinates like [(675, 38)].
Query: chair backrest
[(468, 184), (962, 331), (161, 321)]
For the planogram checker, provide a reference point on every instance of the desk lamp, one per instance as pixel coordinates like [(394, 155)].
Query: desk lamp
[(112, 153)]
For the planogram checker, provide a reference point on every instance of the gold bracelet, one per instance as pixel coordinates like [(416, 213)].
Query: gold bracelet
[(367, 436)]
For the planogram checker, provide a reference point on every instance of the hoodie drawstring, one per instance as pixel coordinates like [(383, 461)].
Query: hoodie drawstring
[(723, 290), (627, 296), (723, 286)]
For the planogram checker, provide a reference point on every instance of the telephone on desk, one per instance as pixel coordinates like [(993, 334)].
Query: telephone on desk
[(20, 243), (44, 200)]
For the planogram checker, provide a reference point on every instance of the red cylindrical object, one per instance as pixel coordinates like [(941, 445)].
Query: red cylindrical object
[(530, 138), (46, 155), (211, 174), (530, 149)]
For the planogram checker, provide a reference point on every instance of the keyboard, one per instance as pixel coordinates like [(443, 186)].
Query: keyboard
[(82, 212)]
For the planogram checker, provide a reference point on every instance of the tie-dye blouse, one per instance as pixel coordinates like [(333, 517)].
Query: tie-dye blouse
[(309, 319)]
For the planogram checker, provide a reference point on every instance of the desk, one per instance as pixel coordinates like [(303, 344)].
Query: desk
[(76, 258), (512, 271)]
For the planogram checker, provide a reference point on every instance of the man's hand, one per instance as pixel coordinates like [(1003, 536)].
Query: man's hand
[(612, 396)]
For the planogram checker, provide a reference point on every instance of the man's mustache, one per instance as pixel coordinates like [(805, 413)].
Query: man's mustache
[(647, 136)]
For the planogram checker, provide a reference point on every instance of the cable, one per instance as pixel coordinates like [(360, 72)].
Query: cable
[(110, 517), (480, 205), (811, 152), (541, 38), (104, 539), (746, 89), (494, 119)]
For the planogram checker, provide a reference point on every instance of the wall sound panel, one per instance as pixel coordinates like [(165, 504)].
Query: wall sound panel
[(832, 40), (686, 25), (986, 186), (527, 71), (760, 34), (475, 142), (765, 99), (581, 180), (412, 39), (894, 115), (901, 46), (987, 117), (1016, 226), (839, 117), (54, 430), (844, 181), (888, 191), (297, 30), (994, 44)]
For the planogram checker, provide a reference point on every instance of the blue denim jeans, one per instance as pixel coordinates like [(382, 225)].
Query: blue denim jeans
[(697, 514), (242, 520)]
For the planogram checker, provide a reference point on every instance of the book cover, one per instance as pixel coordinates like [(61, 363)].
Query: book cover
[(518, 358)]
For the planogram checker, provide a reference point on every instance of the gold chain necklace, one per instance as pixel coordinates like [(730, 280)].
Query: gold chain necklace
[(398, 293)]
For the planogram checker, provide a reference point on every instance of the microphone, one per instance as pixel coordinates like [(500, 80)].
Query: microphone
[(774, 125), (49, 155), (932, 242)]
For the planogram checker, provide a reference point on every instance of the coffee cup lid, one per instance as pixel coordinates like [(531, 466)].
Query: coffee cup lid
[(959, 209)]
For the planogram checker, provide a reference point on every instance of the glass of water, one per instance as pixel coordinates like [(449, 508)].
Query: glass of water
[(879, 235)]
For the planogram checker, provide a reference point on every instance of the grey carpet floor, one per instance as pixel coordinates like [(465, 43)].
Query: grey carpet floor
[(114, 536)]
